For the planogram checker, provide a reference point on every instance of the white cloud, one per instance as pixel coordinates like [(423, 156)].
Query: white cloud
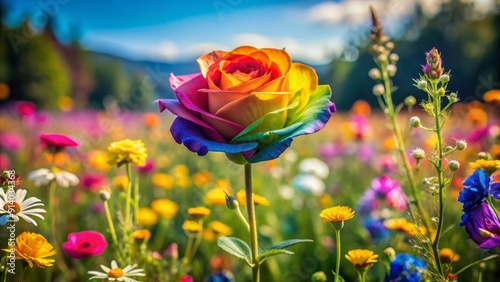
[(168, 50)]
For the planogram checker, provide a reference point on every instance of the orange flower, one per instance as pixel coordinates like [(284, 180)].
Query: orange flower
[(492, 96), (361, 107), (34, 249), (150, 119)]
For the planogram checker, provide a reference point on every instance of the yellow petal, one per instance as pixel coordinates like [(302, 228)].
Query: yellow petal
[(280, 58), (244, 50), (302, 79), (246, 110)]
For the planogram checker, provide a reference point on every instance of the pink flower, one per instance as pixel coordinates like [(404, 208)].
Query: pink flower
[(147, 168), (93, 182), (25, 108), (11, 141), (85, 244), (57, 142), (396, 198), (186, 278)]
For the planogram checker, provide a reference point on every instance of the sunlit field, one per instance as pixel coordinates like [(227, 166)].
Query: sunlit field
[(336, 166)]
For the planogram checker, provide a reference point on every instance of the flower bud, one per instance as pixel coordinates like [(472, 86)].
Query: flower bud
[(433, 69), (172, 251), (453, 97), (389, 45), (319, 276), (104, 194), (374, 74), (422, 84), (444, 78), (390, 253), (453, 165), (426, 182), (393, 58), (448, 149), (415, 122), (381, 49), (392, 69), (418, 154), (382, 58), (231, 202), (410, 101), (441, 92), (461, 144), (378, 90), (482, 156)]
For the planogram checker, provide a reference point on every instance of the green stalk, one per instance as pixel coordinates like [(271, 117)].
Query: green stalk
[(110, 224), (136, 199), (128, 201), (253, 223), (401, 147), (337, 262), (242, 218), (53, 227), (439, 167)]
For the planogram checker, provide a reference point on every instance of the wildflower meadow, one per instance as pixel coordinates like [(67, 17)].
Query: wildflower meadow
[(250, 173)]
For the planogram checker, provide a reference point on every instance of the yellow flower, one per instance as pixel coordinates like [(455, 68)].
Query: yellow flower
[(202, 178), (489, 166), (146, 217), (198, 212), (165, 208), (191, 226), (401, 224), (127, 151), (183, 181), (120, 182), (361, 258), (99, 160), (34, 249), (141, 234), (215, 197), (220, 228), (477, 116), (163, 180), (337, 214), (257, 199), (223, 184), (447, 255), (180, 170)]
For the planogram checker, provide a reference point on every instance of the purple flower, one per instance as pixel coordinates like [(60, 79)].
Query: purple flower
[(368, 203), (383, 185), (483, 226), (85, 244), (376, 228), (406, 268), (475, 191)]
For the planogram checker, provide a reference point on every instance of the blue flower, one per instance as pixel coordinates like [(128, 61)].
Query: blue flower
[(406, 268), (475, 191), (220, 277), (482, 226), (376, 227)]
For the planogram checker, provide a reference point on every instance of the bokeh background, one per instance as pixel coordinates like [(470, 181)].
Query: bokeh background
[(67, 54)]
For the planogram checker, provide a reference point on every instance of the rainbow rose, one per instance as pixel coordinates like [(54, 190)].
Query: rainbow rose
[(248, 103)]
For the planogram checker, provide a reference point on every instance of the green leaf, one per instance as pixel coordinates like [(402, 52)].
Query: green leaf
[(286, 244), (263, 256), (237, 248)]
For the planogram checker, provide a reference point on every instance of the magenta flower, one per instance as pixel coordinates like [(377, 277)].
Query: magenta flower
[(147, 168), (483, 226), (11, 141), (25, 108), (93, 182), (57, 142), (85, 244), (383, 185)]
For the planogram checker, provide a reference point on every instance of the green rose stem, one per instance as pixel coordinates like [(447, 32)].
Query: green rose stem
[(390, 111), (253, 223)]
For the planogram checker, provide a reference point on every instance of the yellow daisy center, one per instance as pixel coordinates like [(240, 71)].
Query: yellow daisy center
[(116, 272), (13, 207)]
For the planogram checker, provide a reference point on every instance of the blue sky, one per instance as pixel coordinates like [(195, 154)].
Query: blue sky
[(311, 30)]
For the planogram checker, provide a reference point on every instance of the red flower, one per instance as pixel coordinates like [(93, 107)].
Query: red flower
[(85, 244), (57, 142), (25, 108)]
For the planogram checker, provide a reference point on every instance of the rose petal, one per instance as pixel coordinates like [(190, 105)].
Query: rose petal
[(189, 134), (177, 109), (302, 80), (280, 58), (196, 102), (252, 107), (205, 61)]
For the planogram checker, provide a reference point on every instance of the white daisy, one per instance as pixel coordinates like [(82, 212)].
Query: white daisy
[(116, 273), (17, 207), (43, 176), (314, 166)]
